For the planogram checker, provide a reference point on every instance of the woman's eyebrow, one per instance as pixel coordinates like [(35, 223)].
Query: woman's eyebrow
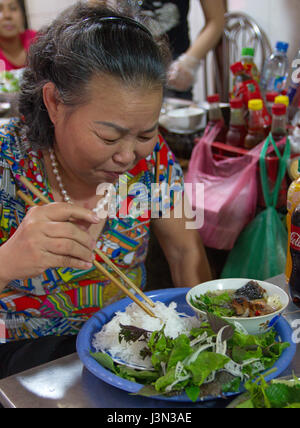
[(124, 130), (113, 125)]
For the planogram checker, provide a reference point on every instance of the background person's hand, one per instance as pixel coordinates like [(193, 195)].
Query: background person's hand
[(48, 237), (182, 73)]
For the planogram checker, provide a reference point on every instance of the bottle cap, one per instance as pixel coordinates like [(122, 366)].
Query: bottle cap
[(236, 103), (255, 105), (282, 99), (270, 96), (279, 109), (213, 98), (248, 52), (237, 67), (282, 46)]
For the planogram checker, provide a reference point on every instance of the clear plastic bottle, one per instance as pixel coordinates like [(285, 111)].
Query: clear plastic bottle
[(256, 124), (275, 71), (293, 200), (249, 64)]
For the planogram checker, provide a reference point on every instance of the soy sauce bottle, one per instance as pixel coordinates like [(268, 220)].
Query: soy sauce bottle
[(237, 128), (256, 124), (215, 116)]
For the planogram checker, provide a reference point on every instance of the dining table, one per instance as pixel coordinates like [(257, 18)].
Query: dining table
[(66, 383)]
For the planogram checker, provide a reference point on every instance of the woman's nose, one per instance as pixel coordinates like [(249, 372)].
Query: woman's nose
[(6, 13), (126, 155)]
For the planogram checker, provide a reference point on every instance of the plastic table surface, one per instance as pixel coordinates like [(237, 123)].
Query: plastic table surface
[(66, 383)]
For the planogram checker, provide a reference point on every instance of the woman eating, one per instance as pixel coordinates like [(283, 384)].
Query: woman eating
[(15, 38), (90, 103)]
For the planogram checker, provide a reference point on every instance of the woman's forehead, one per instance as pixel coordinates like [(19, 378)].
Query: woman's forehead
[(109, 89), (9, 2)]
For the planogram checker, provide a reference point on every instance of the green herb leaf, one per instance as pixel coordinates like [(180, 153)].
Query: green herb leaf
[(105, 360), (192, 392), (205, 364)]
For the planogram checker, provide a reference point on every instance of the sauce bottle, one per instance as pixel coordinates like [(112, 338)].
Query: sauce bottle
[(249, 64), (215, 116), (237, 128), (270, 100), (240, 76), (256, 125), (279, 121), (282, 99)]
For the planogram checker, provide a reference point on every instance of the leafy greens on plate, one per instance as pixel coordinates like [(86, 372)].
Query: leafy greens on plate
[(216, 353)]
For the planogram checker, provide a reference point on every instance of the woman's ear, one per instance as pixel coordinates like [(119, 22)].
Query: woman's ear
[(51, 101)]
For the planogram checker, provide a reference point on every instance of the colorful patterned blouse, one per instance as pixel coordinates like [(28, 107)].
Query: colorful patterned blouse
[(60, 300)]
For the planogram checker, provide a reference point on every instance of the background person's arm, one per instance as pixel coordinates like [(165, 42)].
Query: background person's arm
[(183, 71)]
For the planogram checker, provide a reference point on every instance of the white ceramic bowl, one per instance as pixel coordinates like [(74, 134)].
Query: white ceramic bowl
[(186, 118), (254, 325)]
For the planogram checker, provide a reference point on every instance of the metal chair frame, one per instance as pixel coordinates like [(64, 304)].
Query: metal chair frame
[(240, 30)]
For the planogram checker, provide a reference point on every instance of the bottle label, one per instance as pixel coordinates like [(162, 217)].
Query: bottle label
[(295, 238)]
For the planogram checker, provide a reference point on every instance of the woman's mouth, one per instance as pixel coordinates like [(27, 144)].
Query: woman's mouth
[(8, 27), (112, 175)]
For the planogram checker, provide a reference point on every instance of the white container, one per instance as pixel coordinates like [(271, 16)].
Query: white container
[(187, 118), (254, 325)]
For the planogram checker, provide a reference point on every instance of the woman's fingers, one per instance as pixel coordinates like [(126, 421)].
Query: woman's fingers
[(62, 212), (69, 262), (68, 248), (70, 231)]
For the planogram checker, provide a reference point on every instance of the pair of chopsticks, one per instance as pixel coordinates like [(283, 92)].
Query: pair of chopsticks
[(98, 265)]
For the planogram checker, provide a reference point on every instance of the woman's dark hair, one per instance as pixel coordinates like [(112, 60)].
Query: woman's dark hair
[(78, 46), (23, 7)]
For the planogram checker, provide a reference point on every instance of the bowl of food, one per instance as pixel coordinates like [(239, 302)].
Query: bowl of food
[(186, 118), (253, 304)]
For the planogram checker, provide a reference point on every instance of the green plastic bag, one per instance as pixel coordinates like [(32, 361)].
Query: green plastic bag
[(260, 250)]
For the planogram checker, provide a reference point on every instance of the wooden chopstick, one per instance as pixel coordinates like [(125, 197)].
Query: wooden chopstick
[(124, 277), (123, 288), (31, 203), (32, 188)]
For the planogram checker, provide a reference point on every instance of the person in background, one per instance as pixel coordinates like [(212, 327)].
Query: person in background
[(90, 101), (15, 37), (171, 17)]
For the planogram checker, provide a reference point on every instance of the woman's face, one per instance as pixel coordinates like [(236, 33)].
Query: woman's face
[(11, 18), (110, 134)]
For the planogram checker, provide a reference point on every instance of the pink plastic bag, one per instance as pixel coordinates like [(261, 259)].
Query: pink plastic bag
[(230, 191)]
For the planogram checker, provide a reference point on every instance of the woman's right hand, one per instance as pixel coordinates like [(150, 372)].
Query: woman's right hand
[(50, 236)]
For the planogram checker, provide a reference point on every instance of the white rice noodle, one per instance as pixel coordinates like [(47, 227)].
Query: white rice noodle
[(221, 347), (199, 339), (210, 378), (108, 338), (192, 358), (239, 328)]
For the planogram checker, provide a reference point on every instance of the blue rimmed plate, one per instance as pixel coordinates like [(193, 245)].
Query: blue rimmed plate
[(95, 324)]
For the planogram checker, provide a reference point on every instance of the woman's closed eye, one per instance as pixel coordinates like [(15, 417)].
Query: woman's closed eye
[(146, 139)]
